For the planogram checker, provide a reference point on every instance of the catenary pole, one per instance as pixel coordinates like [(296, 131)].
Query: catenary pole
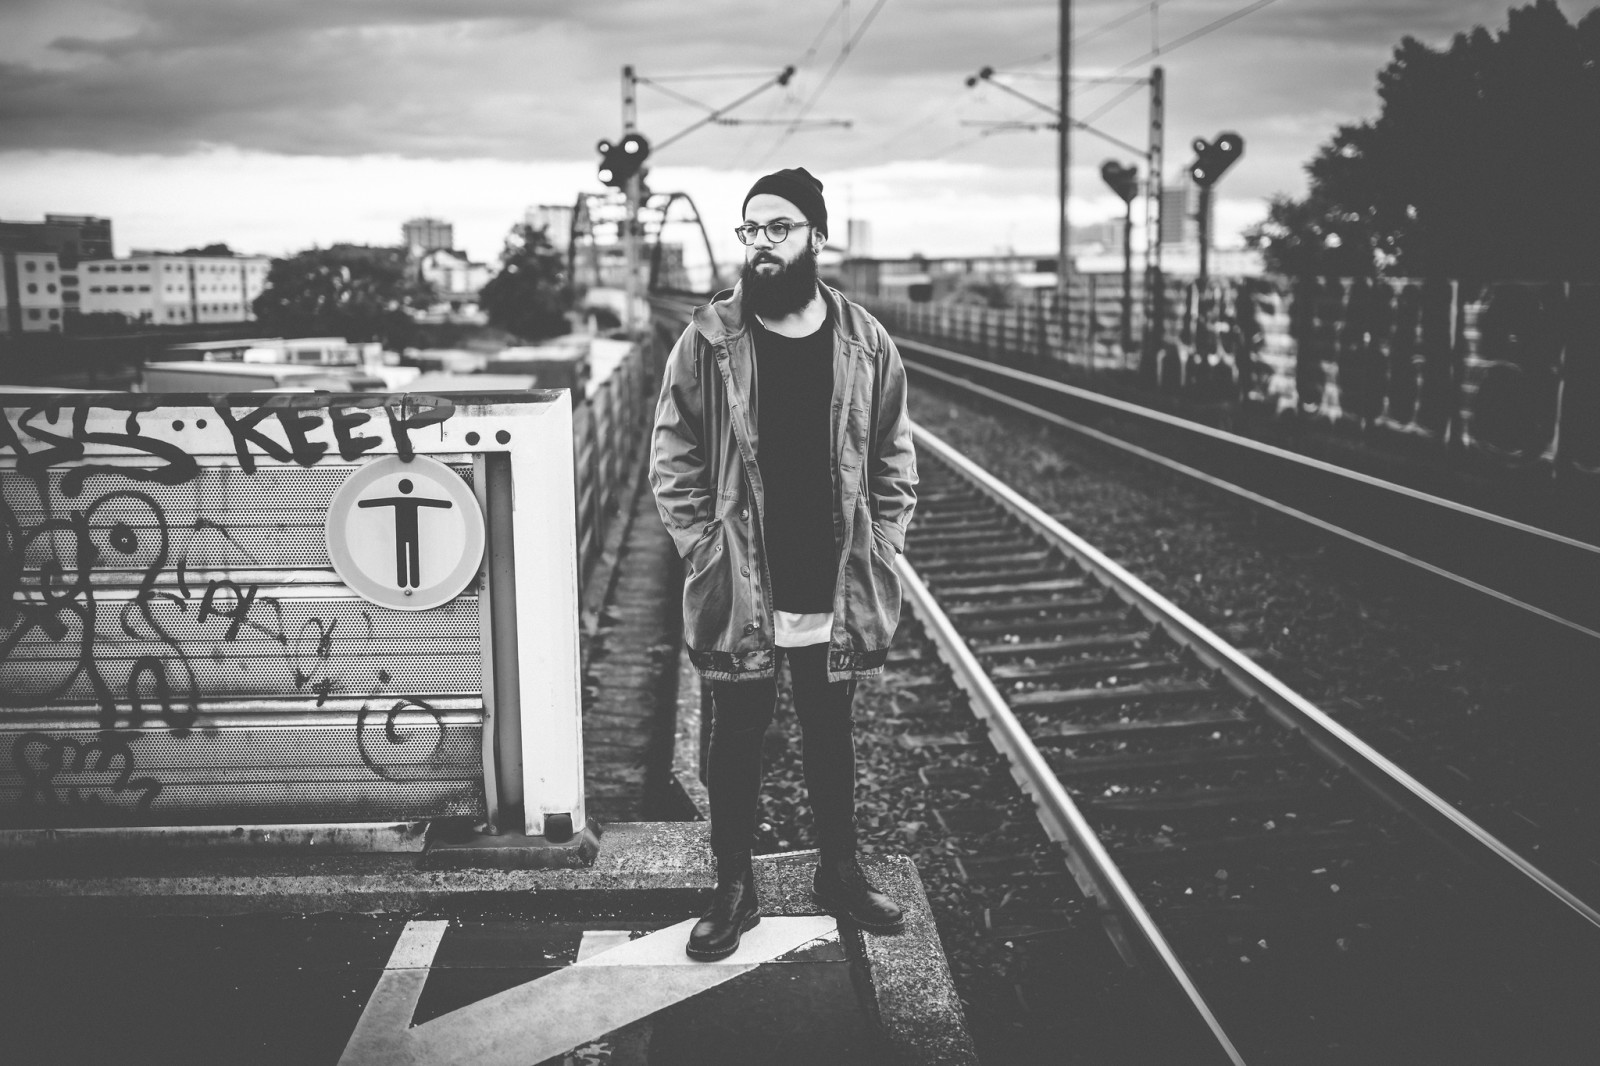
[(1063, 163), (630, 222), (1155, 285)]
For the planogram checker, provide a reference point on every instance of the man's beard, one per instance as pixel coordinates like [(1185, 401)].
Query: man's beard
[(783, 293)]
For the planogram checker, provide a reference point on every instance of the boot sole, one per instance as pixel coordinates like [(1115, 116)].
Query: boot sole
[(712, 956), (842, 912)]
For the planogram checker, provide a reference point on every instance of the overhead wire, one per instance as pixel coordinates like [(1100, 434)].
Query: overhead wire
[(839, 61), (675, 94), (933, 110), (967, 142), (789, 97), (1179, 42), (1127, 91), (1158, 50), (1139, 8)]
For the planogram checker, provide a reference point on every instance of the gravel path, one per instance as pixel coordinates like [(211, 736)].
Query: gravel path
[(1489, 712)]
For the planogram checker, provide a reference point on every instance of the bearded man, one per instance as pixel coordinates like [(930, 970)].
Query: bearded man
[(782, 466)]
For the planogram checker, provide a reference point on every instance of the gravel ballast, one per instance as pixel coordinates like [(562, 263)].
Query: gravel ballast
[(1494, 714)]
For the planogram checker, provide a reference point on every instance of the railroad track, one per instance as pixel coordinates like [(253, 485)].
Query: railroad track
[(1302, 897), (1536, 571)]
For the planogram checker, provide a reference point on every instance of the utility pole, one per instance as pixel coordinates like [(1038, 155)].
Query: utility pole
[(1155, 283), (1064, 164), (622, 168), (630, 237)]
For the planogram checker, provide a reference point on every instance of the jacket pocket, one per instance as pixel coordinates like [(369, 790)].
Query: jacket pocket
[(873, 592), (707, 591)]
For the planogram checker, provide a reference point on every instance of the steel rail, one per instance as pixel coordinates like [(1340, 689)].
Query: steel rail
[(1293, 711), (1097, 875), (1201, 429), (1259, 499)]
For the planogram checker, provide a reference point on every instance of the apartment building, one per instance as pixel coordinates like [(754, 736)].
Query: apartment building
[(155, 288), (30, 292)]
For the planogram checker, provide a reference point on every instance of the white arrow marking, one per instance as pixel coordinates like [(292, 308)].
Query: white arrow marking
[(603, 991)]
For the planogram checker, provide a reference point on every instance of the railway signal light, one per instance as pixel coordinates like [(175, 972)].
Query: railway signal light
[(1214, 157), (621, 161), (1124, 181)]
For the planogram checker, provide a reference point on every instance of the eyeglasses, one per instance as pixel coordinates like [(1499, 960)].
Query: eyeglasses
[(775, 231)]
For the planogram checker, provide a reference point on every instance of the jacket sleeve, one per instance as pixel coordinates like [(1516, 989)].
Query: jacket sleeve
[(679, 473), (892, 474)]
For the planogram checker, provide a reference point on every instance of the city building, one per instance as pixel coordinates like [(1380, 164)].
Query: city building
[(426, 234), (921, 278), (455, 277), (858, 237), (161, 289), (1177, 218), (72, 238), (555, 220), (30, 292), (457, 280)]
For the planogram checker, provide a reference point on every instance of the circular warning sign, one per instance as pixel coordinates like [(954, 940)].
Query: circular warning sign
[(405, 535)]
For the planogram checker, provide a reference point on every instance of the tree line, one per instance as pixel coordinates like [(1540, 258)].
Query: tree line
[(369, 293), (1481, 164)]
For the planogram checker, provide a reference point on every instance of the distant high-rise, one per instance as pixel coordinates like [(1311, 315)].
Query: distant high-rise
[(1177, 223), (426, 234), (858, 237)]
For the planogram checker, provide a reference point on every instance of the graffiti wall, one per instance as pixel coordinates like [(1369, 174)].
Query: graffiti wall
[(175, 647)]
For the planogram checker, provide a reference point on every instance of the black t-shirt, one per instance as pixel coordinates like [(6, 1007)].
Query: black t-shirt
[(794, 393)]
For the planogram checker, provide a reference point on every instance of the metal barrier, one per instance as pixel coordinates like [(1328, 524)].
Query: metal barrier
[(183, 642), (1498, 375), (608, 433)]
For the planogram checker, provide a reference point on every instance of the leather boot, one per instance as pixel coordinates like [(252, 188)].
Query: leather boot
[(842, 889), (734, 909)]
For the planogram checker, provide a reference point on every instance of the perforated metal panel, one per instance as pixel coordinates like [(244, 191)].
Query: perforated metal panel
[(185, 654)]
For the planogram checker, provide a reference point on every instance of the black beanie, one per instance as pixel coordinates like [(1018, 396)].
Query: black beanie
[(798, 187)]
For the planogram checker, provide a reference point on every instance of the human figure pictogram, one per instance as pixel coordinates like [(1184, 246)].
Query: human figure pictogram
[(407, 543)]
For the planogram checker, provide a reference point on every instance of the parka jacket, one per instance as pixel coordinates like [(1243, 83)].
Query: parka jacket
[(708, 489)]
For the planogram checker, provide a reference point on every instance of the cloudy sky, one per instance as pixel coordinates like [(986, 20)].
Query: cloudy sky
[(276, 124)]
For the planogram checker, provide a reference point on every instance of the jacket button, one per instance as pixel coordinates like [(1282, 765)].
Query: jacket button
[(745, 514), (753, 626), (745, 570)]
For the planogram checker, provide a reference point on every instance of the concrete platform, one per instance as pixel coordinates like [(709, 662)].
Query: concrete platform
[(286, 956)]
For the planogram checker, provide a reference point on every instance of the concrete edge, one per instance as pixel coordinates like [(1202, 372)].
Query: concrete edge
[(919, 1014), (657, 862), (918, 1008), (331, 838)]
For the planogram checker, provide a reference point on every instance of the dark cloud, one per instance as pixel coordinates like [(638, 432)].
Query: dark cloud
[(538, 79)]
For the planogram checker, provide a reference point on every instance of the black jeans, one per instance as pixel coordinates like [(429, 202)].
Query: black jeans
[(741, 711)]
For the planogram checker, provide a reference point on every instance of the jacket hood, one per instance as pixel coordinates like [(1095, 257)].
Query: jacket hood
[(723, 318)]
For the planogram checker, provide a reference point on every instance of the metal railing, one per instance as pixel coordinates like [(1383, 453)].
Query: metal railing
[(1495, 375)]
